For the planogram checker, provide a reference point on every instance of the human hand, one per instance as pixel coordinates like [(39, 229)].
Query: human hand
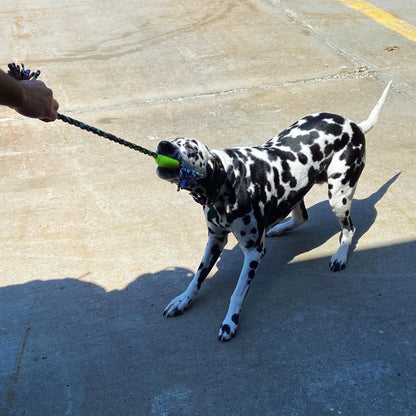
[(37, 101)]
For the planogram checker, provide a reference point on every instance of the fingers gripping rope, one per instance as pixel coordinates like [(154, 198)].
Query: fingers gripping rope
[(186, 177)]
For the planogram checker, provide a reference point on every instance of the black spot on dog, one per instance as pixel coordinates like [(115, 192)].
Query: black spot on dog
[(286, 176), (226, 328), (254, 264), (313, 174), (358, 138), (352, 175), (258, 174), (280, 191), (285, 165), (302, 158), (308, 139), (215, 251), (243, 208), (250, 244), (328, 149), (202, 277), (351, 154), (307, 123), (276, 153), (334, 129), (347, 222), (341, 142), (292, 143), (337, 119), (317, 155), (261, 249), (234, 318)]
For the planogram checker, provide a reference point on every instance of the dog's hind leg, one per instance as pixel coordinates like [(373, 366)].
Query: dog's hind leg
[(343, 174), (340, 199), (215, 245), (299, 216)]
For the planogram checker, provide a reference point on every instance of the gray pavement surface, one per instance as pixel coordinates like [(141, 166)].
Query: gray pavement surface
[(94, 245)]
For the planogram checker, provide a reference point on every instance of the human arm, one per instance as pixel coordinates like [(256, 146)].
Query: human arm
[(30, 98)]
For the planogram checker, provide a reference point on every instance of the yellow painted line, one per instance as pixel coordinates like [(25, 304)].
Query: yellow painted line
[(384, 18)]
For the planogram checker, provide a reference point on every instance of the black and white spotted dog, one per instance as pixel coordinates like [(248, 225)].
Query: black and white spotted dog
[(249, 190)]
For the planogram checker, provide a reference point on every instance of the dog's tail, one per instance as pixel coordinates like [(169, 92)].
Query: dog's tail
[(368, 124)]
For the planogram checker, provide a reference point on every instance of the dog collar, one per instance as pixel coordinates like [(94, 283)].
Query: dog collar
[(187, 177), (206, 194)]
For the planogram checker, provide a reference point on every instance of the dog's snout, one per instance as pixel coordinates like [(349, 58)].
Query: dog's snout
[(165, 147)]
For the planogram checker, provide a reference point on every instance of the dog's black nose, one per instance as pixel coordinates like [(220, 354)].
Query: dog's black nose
[(165, 147)]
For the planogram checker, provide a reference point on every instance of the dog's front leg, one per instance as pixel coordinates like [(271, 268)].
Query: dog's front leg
[(229, 326), (215, 245)]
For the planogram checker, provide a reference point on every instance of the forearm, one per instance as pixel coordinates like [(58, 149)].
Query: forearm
[(31, 98), (12, 93)]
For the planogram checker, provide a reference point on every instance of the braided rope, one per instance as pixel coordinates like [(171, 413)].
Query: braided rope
[(106, 135)]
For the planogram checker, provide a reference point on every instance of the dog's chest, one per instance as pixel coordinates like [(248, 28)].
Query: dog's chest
[(223, 215)]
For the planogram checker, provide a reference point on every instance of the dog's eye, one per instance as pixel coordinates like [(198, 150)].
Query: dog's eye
[(192, 153)]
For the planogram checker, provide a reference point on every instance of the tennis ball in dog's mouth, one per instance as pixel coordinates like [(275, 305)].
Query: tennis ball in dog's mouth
[(166, 162)]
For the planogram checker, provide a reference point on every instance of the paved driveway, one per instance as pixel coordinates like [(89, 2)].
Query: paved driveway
[(94, 245)]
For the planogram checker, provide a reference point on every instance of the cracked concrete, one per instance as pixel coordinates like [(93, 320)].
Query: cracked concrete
[(94, 245)]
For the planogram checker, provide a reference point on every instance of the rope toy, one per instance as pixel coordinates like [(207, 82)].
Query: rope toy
[(187, 177)]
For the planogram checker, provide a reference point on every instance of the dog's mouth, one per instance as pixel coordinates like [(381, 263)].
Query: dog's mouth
[(169, 149)]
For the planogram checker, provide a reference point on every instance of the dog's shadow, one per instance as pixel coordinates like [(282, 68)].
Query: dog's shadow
[(321, 226)]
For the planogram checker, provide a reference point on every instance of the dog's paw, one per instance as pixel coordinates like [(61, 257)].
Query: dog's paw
[(228, 329), (339, 259), (277, 231), (336, 266), (337, 263), (281, 228), (177, 306)]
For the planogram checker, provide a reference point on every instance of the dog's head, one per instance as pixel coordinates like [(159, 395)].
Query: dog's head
[(190, 153)]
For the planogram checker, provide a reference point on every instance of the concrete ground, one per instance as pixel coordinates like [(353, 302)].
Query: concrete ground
[(94, 245)]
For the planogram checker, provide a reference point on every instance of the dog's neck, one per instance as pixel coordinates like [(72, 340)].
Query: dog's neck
[(206, 190)]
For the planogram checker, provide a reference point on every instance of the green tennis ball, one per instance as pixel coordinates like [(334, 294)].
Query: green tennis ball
[(166, 162)]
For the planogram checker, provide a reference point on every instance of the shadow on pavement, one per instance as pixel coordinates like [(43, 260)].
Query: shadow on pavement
[(322, 225), (310, 342)]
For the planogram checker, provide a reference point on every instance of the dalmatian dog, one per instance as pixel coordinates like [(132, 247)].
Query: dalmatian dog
[(249, 191)]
